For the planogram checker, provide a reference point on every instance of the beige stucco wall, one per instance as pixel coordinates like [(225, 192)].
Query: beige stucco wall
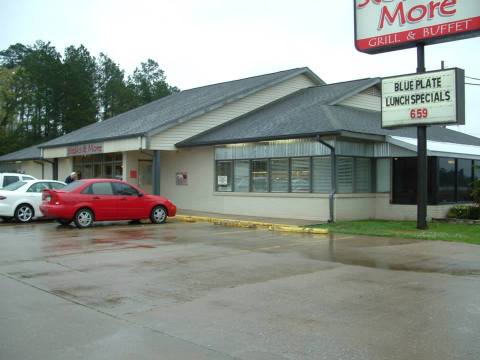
[(34, 168), (65, 168), (131, 162), (378, 206)]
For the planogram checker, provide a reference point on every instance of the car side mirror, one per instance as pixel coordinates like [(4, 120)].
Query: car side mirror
[(140, 194)]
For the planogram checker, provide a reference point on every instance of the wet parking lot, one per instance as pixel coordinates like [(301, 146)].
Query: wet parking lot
[(200, 291)]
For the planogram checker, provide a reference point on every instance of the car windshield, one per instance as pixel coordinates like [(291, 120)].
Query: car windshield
[(14, 186), (72, 186)]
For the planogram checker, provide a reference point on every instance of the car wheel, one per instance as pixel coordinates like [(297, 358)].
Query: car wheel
[(24, 213), (158, 215), (64, 222), (83, 218)]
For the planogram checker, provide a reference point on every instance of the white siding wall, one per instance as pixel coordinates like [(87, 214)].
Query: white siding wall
[(166, 140), (363, 101)]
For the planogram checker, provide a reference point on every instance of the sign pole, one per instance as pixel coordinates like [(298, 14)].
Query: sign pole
[(422, 172)]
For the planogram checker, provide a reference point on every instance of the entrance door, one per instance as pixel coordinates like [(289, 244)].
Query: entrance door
[(145, 175)]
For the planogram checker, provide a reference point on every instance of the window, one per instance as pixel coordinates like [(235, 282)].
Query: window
[(101, 188), (260, 175), (344, 175), (464, 179), (38, 187), (99, 166), (476, 170), (124, 189), (383, 175), (73, 185), (7, 180), (322, 174), (224, 176), (446, 180), (56, 186), (14, 186), (24, 178), (300, 175), (279, 175), (242, 175), (363, 175)]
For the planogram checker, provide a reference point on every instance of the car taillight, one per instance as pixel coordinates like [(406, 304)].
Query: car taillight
[(3, 198)]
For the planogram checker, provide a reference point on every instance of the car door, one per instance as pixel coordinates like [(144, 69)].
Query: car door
[(131, 206), (33, 196), (101, 199)]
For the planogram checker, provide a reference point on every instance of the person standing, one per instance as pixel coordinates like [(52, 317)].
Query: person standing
[(71, 178)]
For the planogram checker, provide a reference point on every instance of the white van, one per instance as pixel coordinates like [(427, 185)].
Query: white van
[(10, 178)]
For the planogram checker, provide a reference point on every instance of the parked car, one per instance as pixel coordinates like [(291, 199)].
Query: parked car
[(10, 178), (87, 201), (21, 200)]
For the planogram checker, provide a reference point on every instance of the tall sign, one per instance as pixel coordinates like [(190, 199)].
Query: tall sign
[(431, 98), (385, 25)]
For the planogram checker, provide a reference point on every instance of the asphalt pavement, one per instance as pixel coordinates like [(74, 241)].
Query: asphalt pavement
[(200, 291)]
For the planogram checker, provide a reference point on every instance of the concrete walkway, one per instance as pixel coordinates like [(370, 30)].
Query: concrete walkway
[(296, 222)]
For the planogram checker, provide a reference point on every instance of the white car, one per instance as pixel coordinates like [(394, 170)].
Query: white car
[(22, 199), (10, 178)]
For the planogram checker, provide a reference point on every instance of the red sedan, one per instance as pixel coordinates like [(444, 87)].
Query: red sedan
[(86, 201)]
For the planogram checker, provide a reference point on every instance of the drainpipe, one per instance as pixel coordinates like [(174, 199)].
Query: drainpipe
[(333, 166)]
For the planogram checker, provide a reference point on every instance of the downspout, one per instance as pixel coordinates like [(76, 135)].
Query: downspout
[(333, 186)]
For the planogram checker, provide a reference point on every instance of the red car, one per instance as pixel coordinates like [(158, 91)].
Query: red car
[(86, 201)]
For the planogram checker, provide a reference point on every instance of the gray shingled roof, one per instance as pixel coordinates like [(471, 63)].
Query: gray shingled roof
[(30, 153), (308, 113), (174, 109)]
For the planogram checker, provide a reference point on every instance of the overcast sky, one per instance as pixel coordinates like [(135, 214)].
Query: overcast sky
[(208, 41)]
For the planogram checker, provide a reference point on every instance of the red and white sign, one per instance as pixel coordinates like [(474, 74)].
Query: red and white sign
[(86, 149), (386, 25)]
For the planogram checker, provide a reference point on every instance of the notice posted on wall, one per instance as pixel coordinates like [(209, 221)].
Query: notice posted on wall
[(222, 180), (436, 97)]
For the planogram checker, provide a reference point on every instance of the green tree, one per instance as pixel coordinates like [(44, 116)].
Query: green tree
[(149, 83), (114, 96), (79, 92)]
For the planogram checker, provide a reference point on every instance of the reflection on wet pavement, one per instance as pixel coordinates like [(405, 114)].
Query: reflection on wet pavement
[(255, 294)]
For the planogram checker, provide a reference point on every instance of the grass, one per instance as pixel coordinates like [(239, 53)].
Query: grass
[(407, 229)]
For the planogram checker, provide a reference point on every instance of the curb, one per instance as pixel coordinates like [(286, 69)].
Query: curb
[(249, 224)]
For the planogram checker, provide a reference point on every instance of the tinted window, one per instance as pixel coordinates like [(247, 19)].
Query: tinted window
[(260, 175), (446, 180), (7, 180), (322, 174), (102, 188), (242, 175), (300, 175), (56, 186), (38, 187), (14, 186), (224, 175), (464, 179), (279, 171), (72, 186), (124, 189)]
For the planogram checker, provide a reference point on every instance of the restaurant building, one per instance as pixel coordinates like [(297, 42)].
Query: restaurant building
[(283, 145)]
